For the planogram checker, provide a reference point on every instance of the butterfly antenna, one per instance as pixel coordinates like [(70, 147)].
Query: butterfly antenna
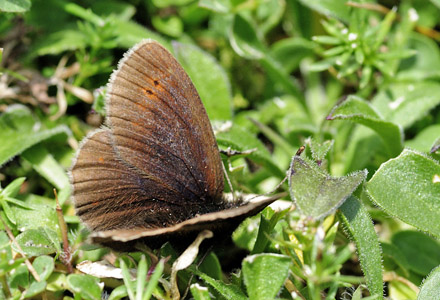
[(228, 180)]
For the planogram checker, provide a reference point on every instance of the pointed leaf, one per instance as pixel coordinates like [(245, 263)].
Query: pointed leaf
[(244, 39), (316, 193), (358, 110), (358, 223), (228, 291), (46, 165), (13, 188), (21, 131), (421, 251)]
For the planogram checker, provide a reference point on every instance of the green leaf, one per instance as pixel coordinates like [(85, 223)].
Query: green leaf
[(264, 274), (319, 151), (219, 6), (211, 266), (435, 146), (246, 233), (429, 288), (129, 33), (289, 52), (142, 271), (35, 242), (414, 195), (35, 289), (118, 293), (274, 137), (13, 188), (316, 193), (85, 286), (384, 28), (421, 251), (358, 110), (85, 14), (18, 127), (16, 6), (38, 216), (170, 25), (360, 227), (240, 139), (46, 165), (199, 292), (209, 78), (336, 8), (228, 291), (9, 213), (166, 3), (44, 265), (391, 252), (59, 42), (123, 11), (128, 281), (404, 104), (20, 277), (244, 39), (424, 139), (264, 231), (154, 280)]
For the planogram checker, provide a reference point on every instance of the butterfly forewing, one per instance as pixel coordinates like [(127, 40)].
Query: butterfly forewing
[(160, 127), (158, 163)]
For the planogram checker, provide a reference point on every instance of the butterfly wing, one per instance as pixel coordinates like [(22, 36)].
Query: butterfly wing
[(109, 194), (222, 223), (158, 163), (160, 127)]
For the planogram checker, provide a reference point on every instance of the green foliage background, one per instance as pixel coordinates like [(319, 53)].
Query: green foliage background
[(356, 82)]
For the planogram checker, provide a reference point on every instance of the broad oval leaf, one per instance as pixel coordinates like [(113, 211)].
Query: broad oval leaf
[(408, 187), (209, 78), (421, 251), (85, 286), (35, 242), (404, 103), (44, 266), (430, 286), (264, 274), (35, 288)]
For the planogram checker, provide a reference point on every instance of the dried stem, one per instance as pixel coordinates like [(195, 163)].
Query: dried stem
[(67, 256)]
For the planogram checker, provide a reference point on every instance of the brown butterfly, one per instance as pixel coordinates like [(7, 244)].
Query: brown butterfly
[(154, 173)]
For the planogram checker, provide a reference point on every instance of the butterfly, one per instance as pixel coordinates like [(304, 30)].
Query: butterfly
[(153, 173)]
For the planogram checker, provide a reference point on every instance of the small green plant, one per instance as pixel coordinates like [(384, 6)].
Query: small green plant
[(356, 83)]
